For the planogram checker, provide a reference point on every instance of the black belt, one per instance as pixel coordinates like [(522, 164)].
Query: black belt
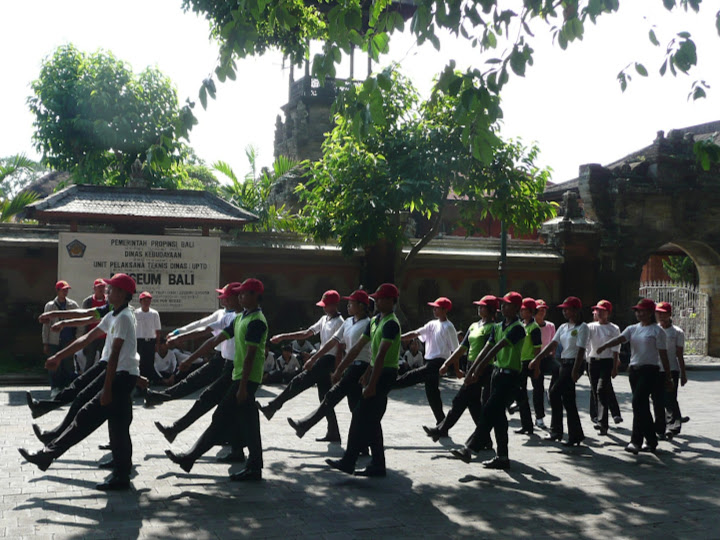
[(506, 371), (567, 361), (146, 339), (600, 358)]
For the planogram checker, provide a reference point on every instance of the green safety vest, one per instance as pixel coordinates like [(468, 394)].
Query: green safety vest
[(528, 349), (509, 355), (241, 346), (478, 334), (376, 330)]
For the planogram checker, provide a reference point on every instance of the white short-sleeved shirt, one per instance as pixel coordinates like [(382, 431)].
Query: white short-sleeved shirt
[(674, 338), (645, 342), (326, 327), (204, 323), (547, 332), (269, 364), (227, 347), (599, 335), (440, 339), (121, 326), (292, 365), (148, 322), (166, 364), (350, 333), (572, 337), (413, 360)]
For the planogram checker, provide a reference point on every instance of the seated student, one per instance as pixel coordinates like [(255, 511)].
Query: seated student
[(303, 349), (413, 357), (165, 363), (286, 367)]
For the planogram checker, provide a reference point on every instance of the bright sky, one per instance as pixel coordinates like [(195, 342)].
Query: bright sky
[(569, 102)]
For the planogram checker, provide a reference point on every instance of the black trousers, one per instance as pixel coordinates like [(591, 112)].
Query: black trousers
[(658, 395), (348, 386), (471, 397), (69, 393), (319, 375), (562, 394), (234, 421), (65, 372), (92, 415), (503, 391), (83, 397), (366, 424), (209, 398), (522, 397), (602, 394), (428, 373), (643, 381), (198, 379), (672, 407), (146, 350)]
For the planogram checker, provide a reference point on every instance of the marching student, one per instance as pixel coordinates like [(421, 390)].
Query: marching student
[(383, 334), (316, 371), (346, 377), (648, 350), (62, 374), (547, 333), (236, 416), (470, 396), (97, 299), (602, 367), (504, 346), (573, 337), (440, 338), (114, 402), (675, 341), (531, 346), (148, 336)]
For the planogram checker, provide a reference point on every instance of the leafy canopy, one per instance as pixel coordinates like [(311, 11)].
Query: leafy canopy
[(16, 172), (94, 117), (499, 30), (363, 189)]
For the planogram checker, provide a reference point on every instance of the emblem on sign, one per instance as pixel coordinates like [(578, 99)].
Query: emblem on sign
[(76, 249)]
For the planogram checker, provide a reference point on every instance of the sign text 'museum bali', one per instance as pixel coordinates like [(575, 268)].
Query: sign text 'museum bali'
[(181, 272)]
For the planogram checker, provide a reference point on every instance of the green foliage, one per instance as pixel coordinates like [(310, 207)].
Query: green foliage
[(16, 172), (254, 192), (249, 27), (94, 117), (364, 186), (680, 269)]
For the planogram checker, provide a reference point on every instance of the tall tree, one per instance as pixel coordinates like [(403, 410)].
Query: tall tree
[(16, 172), (94, 118)]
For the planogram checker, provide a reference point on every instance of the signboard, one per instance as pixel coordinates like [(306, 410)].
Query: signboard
[(181, 272)]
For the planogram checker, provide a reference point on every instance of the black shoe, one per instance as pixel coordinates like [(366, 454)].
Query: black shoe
[(232, 457), (463, 454), (340, 466), (35, 411), (684, 419), (595, 421), (247, 475), (632, 448), (574, 442), (329, 438), (168, 432), (153, 398), (497, 463), (618, 419), (299, 431), (603, 431), (649, 448), (267, 410), (39, 459), (104, 447), (432, 432), (524, 431), (181, 459), (512, 409), (552, 437), (109, 464), (41, 435), (597, 427), (372, 471), (114, 483)]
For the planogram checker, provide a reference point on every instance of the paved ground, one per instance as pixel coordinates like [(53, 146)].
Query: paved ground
[(597, 491)]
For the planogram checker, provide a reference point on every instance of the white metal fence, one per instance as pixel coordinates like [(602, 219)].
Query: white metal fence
[(690, 310)]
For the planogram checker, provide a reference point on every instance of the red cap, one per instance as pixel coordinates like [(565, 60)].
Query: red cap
[(122, 281), (488, 300), (603, 304), (442, 302), (513, 298), (231, 289), (664, 307), (99, 281), (329, 298), (540, 304), (529, 303), (251, 284), (386, 290), (145, 294), (571, 302), (62, 285), (359, 296), (645, 304)]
